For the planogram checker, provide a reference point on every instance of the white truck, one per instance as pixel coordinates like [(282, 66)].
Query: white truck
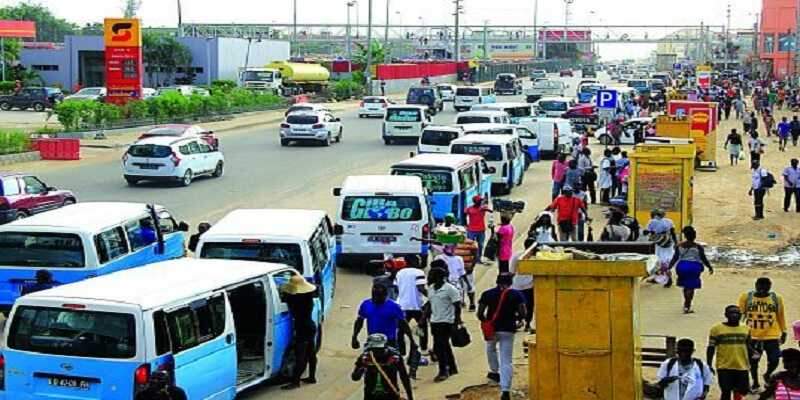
[(259, 79), (546, 88)]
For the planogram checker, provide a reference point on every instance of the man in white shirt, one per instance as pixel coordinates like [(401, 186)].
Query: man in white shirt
[(455, 266), (684, 377), (757, 189), (411, 285), (756, 147)]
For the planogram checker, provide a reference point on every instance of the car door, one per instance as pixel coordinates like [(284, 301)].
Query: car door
[(197, 158), (280, 336), (37, 197), (209, 161)]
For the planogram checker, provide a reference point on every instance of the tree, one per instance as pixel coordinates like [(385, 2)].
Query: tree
[(48, 27), (163, 54), (131, 7), (377, 50)]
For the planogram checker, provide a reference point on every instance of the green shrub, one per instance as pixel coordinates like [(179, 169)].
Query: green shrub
[(169, 105), (48, 130), (104, 114), (137, 109), (71, 114), (346, 88), (7, 86), (223, 86), (13, 141)]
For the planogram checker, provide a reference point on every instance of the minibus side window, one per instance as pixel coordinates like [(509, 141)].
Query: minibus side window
[(167, 223), (141, 233), (467, 178), (110, 245), (199, 323), (319, 250), (163, 344)]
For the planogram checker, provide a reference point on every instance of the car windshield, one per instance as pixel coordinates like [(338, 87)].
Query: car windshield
[(40, 250), (590, 89), (553, 105), (420, 95), (473, 119), (149, 150), (281, 253), (381, 208), (518, 112), (76, 333), (265, 76), (90, 92), (487, 151), (433, 180), (446, 88), (302, 119), (403, 115), (472, 92), (438, 138)]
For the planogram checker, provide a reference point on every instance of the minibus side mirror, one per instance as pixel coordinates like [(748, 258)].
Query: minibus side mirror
[(183, 226), (338, 230), (337, 191)]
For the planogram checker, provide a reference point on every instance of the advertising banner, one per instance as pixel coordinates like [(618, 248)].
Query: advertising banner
[(123, 57), (17, 29)]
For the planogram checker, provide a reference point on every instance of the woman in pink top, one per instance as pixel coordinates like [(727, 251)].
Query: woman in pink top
[(557, 172), (505, 239), (785, 385)]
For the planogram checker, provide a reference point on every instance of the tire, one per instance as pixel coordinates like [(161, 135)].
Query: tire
[(38, 107), (387, 141), (5, 106), (328, 141), (219, 170), (68, 202), (22, 215), (605, 140), (188, 176), (131, 181), (284, 142), (360, 116), (339, 138)]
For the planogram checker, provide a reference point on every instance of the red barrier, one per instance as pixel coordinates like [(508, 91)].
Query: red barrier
[(59, 149), (414, 71)]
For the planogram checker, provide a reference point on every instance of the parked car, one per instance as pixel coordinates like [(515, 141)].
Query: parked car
[(538, 73), (425, 96), (89, 93), (182, 130), (447, 91), (315, 126), (148, 93), (23, 195), (373, 106), (174, 159), (38, 98), (566, 72)]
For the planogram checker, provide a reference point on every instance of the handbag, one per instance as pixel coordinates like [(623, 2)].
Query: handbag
[(487, 327), (460, 337), (492, 246)]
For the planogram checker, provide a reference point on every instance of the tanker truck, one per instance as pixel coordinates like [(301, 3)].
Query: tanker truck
[(285, 78)]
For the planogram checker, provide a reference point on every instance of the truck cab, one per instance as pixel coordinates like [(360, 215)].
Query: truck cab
[(261, 79)]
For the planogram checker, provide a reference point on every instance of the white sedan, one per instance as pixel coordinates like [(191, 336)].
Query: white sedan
[(629, 127)]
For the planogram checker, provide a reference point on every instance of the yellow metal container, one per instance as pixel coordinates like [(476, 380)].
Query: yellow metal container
[(587, 344), (662, 177)]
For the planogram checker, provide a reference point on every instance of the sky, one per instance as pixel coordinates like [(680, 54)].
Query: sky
[(624, 12)]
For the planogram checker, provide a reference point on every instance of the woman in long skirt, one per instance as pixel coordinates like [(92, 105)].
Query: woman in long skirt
[(689, 262), (661, 230)]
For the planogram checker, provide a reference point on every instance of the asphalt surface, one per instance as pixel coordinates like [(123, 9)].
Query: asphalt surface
[(262, 174)]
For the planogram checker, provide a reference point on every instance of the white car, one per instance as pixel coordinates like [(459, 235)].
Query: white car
[(629, 127), (184, 90), (311, 126), (166, 158), (89, 93), (373, 106), (447, 91)]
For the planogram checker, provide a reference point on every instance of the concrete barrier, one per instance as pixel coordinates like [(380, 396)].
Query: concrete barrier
[(20, 158), (400, 86)]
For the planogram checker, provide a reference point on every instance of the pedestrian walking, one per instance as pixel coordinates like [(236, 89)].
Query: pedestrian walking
[(684, 377), (769, 123), (299, 296), (573, 176), (412, 286), (733, 144), (382, 369), (760, 182), (689, 261), (505, 243), (383, 87), (476, 223), (784, 129), (501, 311), (382, 315), (524, 284), (791, 185), (444, 313), (615, 231), (558, 171), (764, 314), (387, 279), (661, 231), (543, 230), (747, 122), (785, 385), (795, 130), (567, 208), (606, 178), (738, 105), (454, 265), (194, 240), (756, 147), (728, 341), (589, 177), (160, 387)]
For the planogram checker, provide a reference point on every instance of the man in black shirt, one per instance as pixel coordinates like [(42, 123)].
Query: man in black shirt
[(160, 388), (795, 130), (299, 296), (734, 146), (194, 240), (380, 366)]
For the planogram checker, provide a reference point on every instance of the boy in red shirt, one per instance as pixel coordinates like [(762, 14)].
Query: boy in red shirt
[(476, 223)]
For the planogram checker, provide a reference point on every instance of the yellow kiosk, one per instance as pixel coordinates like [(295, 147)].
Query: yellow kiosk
[(587, 344), (661, 176)]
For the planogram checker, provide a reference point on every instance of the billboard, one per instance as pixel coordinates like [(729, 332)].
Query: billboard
[(17, 29), (123, 56), (557, 35)]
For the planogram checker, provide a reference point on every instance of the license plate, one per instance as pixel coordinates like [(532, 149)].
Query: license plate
[(382, 239), (72, 383), (402, 128), (149, 166)]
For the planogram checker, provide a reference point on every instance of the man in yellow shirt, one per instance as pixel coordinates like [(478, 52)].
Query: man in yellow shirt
[(729, 341), (764, 314)]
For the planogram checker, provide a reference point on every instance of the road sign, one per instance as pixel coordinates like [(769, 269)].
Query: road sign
[(607, 99)]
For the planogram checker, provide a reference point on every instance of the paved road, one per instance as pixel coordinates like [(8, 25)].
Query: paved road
[(260, 173)]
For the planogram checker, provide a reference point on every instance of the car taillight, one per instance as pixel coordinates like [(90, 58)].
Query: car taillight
[(4, 204), (2, 372), (175, 159), (317, 126), (384, 105), (555, 135), (142, 375), (426, 229)]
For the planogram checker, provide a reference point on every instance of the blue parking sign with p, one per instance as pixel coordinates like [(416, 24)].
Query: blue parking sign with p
[(607, 99)]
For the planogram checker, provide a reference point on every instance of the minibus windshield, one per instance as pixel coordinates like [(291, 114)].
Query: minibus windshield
[(403, 115), (281, 253), (73, 332), (41, 250), (381, 208)]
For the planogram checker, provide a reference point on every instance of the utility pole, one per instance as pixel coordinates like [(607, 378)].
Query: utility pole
[(294, 34), (728, 37), (794, 45), (567, 3), (485, 39), (457, 49), (535, 29), (386, 32), (180, 21), (350, 5), (368, 67)]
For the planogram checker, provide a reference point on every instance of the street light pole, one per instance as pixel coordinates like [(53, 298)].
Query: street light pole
[(386, 30), (180, 20), (567, 3), (294, 34), (368, 67), (535, 29), (350, 5), (485, 39), (457, 48)]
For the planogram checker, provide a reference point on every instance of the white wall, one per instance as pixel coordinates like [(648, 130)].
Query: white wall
[(232, 52)]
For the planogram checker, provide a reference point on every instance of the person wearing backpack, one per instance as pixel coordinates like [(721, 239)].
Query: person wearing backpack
[(762, 180), (684, 377), (764, 314)]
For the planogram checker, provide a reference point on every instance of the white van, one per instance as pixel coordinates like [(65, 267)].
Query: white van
[(504, 153), (555, 135), (483, 117), (380, 214), (302, 239), (517, 112), (467, 96), (404, 122), (554, 106), (525, 133), (437, 138), (216, 326)]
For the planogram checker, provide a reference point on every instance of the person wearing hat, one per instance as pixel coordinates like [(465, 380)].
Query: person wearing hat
[(568, 210), (381, 367), (160, 387), (661, 230), (299, 295), (476, 223)]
